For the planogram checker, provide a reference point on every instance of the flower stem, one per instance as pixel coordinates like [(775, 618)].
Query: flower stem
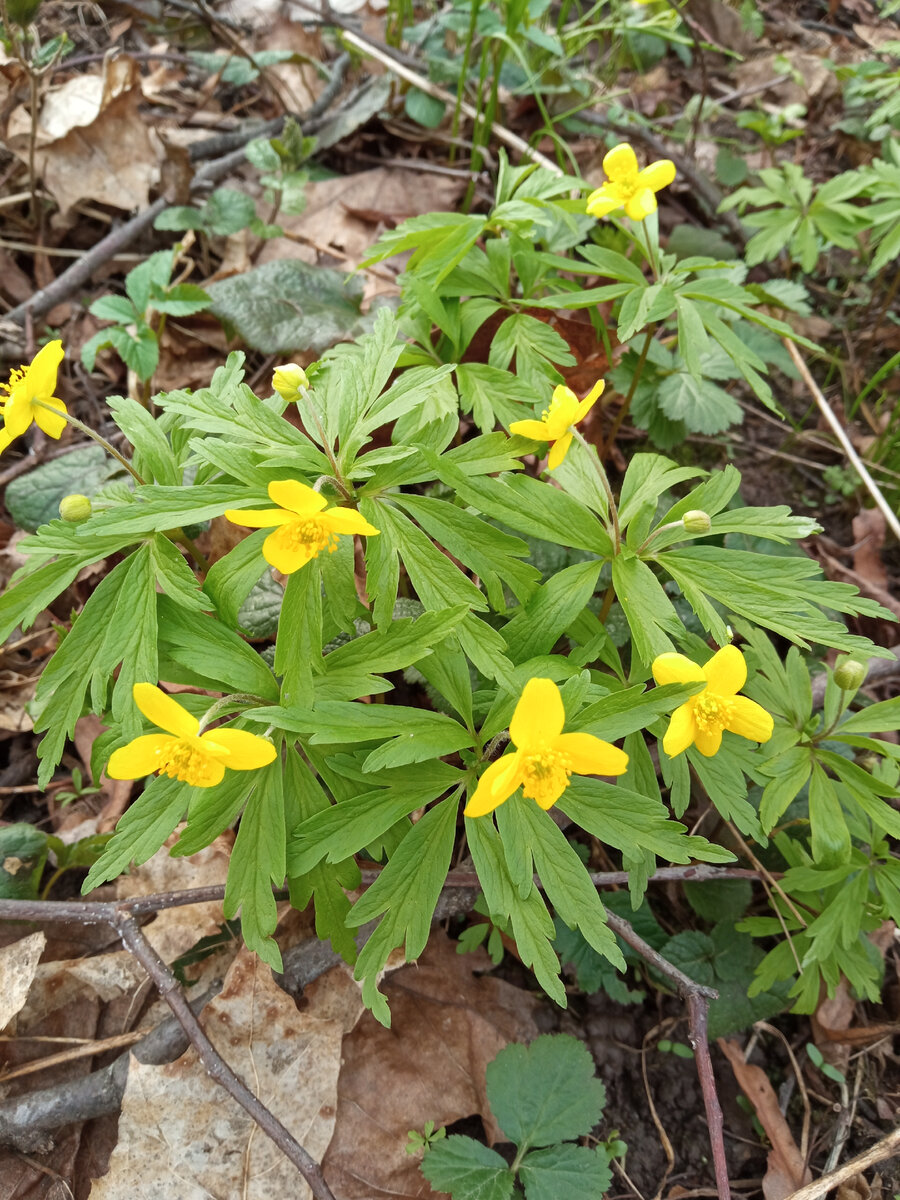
[(604, 481), (232, 700), (635, 380), (94, 436)]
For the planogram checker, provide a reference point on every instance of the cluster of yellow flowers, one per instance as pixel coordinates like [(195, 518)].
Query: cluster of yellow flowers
[(543, 757)]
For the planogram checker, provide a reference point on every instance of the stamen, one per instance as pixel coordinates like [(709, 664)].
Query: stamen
[(546, 775), (311, 532), (712, 712), (181, 760)]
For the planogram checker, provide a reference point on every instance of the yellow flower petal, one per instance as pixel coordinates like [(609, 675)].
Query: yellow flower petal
[(726, 671), (708, 741), (259, 518), (658, 175), (602, 202), (559, 451), (296, 496), (561, 414), (682, 730), (210, 774), (6, 439), (347, 521), (18, 413), (244, 751), (163, 711), (140, 757), (589, 401), (640, 205), (589, 755), (52, 423), (750, 720), (495, 786), (40, 378), (676, 668), (536, 430), (539, 716), (285, 554), (621, 164)]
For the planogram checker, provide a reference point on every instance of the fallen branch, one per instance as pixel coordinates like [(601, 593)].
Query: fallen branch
[(697, 997), (841, 434), (120, 915), (886, 1148)]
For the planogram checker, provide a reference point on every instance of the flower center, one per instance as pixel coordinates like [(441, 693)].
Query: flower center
[(546, 776), (184, 761), (712, 712), (311, 532)]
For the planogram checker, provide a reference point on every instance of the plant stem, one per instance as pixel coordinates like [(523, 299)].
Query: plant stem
[(94, 436), (604, 481), (463, 75), (635, 379)]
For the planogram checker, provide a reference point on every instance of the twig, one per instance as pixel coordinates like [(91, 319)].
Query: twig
[(26, 1120), (841, 434), (888, 1146), (697, 998), (218, 1070)]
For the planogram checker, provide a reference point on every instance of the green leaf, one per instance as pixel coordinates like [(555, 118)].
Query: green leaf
[(141, 830), (830, 839), (550, 610), (425, 110), (467, 1169), (566, 882), (571, 1171), (719, 899), (650, 613), (537, 349), (212, 810), (546, 1092), (436, 580), (287, 305), (701, 405), (492, 395), (227, 211), (406, 893), (154, 459), (116, 626), (201, 644), (33, 498), (231, 580), (23, 852), (138, 350), (181, 300), (156, 508), (174, 576), (114, 308), (259, 614), (883, 717), (257, 862)]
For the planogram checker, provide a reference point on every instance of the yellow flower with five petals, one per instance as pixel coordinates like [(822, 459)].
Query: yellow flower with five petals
[(182, 751), (544, 757), (557, 422), (29, 397), (305, 526), (628, 186), (702, 719)]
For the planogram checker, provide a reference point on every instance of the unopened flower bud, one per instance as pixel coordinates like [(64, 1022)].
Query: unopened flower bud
[(75, 507), (848, 673), (288, 382), (697, 521)]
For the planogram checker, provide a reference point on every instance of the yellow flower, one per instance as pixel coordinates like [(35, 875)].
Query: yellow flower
[(182, 752), (28, 391), (701, 720), (288, 381), (556, 422), (628, 186), (305, 526), (545, 757)]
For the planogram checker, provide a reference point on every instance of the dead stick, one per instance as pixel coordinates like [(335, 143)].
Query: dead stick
[(887, 1147), (697, 997), (218, 1070)]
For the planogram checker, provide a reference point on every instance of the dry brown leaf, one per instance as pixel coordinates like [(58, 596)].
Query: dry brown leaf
[(92, 140), (868, 536), (18, 964), (786, 1171), (180, 1135), (447, 1023)]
